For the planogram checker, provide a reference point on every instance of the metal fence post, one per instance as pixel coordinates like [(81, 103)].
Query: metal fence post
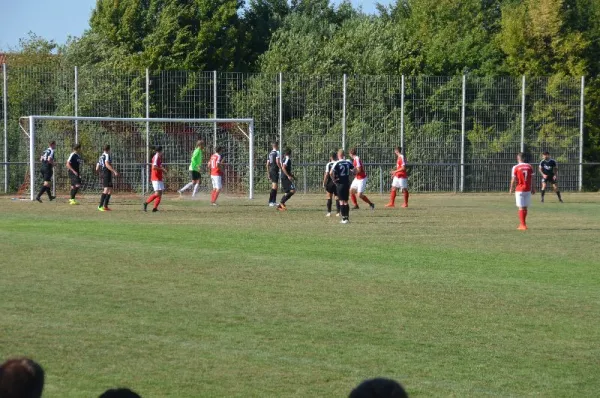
[(5, 117), (76, 105), (305, 180), (581, 127), (147, 132), (462, 134), (523, 115), (380, 180), (402, 115), (281, 110), (215, 109), (344, 113)]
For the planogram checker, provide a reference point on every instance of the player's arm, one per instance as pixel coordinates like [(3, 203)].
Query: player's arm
[(69, 167), (325, 178), (513, 182), (284, 169), (108, 165), (542, 171), (555, 170)]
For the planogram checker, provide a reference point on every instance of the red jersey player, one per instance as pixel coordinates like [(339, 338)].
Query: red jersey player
[(216, 173), (360, 181), (400, 180), (157, 180), (522, 175)]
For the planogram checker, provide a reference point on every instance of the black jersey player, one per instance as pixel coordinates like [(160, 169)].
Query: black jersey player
[(47, 171), (340, 173), (107, 171), (329, 185), (287, 179), (273, 167), (549, 170), (74, 169)]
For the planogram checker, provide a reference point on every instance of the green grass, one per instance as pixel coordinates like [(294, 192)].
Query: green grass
[(446, 297)]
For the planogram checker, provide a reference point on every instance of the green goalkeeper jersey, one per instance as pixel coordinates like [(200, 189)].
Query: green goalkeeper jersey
[(196, 160)]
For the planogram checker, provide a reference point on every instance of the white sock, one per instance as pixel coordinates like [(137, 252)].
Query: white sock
[(186, 187), (195, 189)]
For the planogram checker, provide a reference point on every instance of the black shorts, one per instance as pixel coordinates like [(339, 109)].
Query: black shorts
[(75, 180), (107, 181), (343, 191), (195, 175), (274, 176), (287, 185), (330, 187), (550, 180), (47, 173)]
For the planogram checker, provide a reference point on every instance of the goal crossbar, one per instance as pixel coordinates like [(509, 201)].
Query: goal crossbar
[(33, 118)]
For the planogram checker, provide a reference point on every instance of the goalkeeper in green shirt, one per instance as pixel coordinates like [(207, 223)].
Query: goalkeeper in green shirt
[(195, 169)]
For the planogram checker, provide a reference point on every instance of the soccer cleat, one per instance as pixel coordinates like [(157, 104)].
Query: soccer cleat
[(145, 206), (404, 205), (542, 200), (328, 215), (345, 221), (107, 209), (390, 205), (73, 202), (355, 208), (154, 210), (214, 204), (272, 204), (100, 208), (281, 207), (522, 228), (39, 200), (337, 214), (561, 201), (52, 198), (372, 206)]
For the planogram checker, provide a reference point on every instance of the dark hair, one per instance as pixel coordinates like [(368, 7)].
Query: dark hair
[(200, 143), (219, 149), (76, 147), (332, 154), (107, 147), (119, 393), (275, 143), (521, 155), (52, 143), (352, 151), (157, 148), (398, 148), (379, 388), (21, 377), (546, 153), (288, 151)]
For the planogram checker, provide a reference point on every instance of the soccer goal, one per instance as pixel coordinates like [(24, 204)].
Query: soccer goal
[(131, 140)]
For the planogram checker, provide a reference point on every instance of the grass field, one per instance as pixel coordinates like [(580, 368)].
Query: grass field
[(445, 296)]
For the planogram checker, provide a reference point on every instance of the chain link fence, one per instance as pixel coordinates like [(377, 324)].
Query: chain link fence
[(458, 133)]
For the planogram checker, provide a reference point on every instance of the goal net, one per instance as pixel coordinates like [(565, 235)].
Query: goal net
[(131, 140)]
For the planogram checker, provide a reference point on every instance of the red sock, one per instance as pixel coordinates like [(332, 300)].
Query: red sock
[(354, 202), (151, 198), (216, 196), (157, 201), (406, 197), (212, 197), (393, 196), (525, 217), (366, 199), (522, 216)]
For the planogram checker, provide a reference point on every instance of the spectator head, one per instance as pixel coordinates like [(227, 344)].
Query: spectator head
[(21, 378), (119, 393), (379, 388)]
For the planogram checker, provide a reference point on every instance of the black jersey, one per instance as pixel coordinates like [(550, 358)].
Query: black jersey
[(548, 167), (341, 170), (272, 159), (104, 158), (74, 161), (47, 157), (287, 162), (328, 168)]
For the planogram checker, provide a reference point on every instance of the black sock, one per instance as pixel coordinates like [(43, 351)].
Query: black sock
[(76, 190), (273, 196), (49, 192), (42, 190), (337, 205), (102, 200), (347, 212), (72, 193), (106, 200), (543, 192), (558, 194), (329, 205), (286, 197)]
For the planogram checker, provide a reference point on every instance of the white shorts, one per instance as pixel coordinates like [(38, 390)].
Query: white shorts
[(400, 183), (359, 185), (523, 199), (217, 182), (158, 185)]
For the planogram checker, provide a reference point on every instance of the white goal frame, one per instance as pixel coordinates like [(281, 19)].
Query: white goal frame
[(32, 119)]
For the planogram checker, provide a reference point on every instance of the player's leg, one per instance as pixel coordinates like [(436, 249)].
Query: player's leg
[(159, 192), (543, 190), (217, 186), (105, 192), (273, 193), (353, 191), (393, 192), (186, 187), (362, 186), (557, 191), (329, 203), (337, 206), (107, 199), (404, 185), (523, 200), (196, 183)]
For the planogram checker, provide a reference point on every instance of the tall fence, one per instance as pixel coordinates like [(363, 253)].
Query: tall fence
[(459, 133)]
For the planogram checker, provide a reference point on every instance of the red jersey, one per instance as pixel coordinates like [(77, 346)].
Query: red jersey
[(157, 174), (400, 163), (215, 161), (523, 173), (357, 163)]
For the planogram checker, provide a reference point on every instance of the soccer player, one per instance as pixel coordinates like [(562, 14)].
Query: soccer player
[(273, 167), (73, 164), (157, 180), (360, 181), (47, 171), (549, 170), (340, 173), (216, 174), (195, 164), (287, 179), (400, 181), (105, 167), (522, 175), (329, 185)]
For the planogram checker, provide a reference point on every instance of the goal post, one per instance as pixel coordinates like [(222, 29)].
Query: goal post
[(179, 134)]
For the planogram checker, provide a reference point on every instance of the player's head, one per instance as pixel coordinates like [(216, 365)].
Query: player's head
[(378, 388), (200, 144), (77, 147), (341, 154), (106, 148), (520, 157), (275, 145), (398, 150), (352, 152), (52, 144), (157, 148), (332, 155), (219, 149), (546, 155), (21, 377), (287, 152), (119, 393)]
